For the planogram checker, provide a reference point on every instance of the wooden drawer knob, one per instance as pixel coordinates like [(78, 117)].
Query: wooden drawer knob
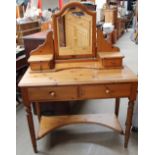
[(52, 93), (107, 91)]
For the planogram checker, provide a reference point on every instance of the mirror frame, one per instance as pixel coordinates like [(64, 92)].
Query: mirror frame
[(55, 25)]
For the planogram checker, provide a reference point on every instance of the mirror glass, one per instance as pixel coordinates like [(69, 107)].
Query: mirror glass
[(74, 32)]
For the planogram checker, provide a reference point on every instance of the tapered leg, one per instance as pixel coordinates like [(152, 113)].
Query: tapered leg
[(128, 122), (117, 103), (31, 127)]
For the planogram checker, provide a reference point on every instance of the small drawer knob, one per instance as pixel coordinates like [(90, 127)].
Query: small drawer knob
[(52, 93), (107, 91)]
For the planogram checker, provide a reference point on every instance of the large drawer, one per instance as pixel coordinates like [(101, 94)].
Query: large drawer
[(52, 93), (105, 91)]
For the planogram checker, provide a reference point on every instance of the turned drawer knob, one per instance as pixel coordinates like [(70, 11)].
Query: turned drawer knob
[(52, 93), (107, 91)]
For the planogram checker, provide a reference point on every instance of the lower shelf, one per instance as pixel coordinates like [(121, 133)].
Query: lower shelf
[(50, 123)]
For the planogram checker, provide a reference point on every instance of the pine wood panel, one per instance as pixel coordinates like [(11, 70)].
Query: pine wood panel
[(105, 91), (52, 93), (78, 34), (48, 124), (111, 59), (35, 58), (112, 63), (42, 65), (110, 55), (47, 47), (72, 74), (93, 34), (103, 45), (79, 92), (42, 58)]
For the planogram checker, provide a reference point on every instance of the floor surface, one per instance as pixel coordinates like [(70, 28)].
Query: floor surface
[(84, 139)]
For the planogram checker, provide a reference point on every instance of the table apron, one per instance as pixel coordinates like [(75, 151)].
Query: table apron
[(82, 92)]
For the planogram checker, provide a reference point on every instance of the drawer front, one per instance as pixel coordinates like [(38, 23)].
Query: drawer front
[(40, 65), (52, 93), (112, 63), (105, 91)]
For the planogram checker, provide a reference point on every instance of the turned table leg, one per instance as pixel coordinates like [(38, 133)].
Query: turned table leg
[(117, 103), (31, 127), (28, 109), (128, 122)]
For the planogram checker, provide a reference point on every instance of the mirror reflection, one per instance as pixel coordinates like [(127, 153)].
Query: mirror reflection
[(74, 32)]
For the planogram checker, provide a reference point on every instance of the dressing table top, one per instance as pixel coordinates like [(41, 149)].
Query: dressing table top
[(69, 74)]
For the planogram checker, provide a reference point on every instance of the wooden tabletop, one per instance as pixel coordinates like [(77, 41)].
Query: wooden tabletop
[(77, 73)]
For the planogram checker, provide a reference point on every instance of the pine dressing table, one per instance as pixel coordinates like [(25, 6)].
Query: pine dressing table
[(67, 68)]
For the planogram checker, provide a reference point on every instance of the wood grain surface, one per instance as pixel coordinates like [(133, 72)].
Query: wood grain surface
[(48, 124), (77, 73)]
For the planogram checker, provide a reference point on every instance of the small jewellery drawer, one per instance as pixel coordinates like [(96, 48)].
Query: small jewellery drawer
[(105, 91), (52, 93), (112, 63)]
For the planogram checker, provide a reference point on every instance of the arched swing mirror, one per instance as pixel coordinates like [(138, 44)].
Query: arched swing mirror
[(75, 32)]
